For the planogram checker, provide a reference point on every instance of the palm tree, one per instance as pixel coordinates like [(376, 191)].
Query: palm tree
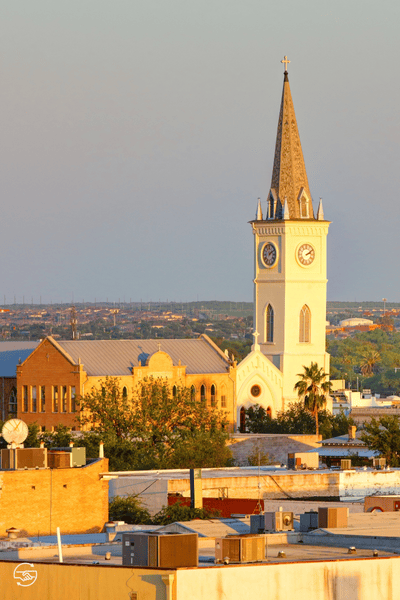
[(369, 360), (313, 388)]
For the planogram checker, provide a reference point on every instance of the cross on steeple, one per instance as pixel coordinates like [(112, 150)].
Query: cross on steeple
[(285, 61)]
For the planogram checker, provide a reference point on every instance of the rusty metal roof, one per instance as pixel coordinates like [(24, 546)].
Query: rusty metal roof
[(117, 357)]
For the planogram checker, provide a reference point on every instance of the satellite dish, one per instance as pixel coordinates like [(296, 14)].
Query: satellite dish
[(15, 431)]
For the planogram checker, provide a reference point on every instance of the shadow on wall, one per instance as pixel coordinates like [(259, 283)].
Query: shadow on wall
[(277, 447), (342, 588)]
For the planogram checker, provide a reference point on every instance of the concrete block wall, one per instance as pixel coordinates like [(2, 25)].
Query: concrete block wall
[(277, 446)]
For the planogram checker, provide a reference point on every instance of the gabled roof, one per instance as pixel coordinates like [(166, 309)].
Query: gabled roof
[(12, 354), (117, 357), (344, 440), (289, 176)]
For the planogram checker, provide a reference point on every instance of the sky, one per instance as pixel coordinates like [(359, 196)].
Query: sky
[(136, 137)]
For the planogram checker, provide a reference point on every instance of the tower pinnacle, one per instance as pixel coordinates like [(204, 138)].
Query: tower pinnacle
[(289, 176)]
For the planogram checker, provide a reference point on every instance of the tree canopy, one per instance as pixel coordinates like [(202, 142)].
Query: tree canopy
[(383, 436), (156, 426), (296, 420)]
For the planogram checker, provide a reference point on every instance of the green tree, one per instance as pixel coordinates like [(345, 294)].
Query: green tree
[(129, 509), (107, 409), (383, 436), (59, 438), (179, 512), (157, 427), (313, 388), (369, 361)]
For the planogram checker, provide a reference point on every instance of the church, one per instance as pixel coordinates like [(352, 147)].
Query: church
[(289, 278), (289, 319)]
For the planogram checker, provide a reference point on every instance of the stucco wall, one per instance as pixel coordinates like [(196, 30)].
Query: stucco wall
[(153, 492), (363, 579), (358, 579)]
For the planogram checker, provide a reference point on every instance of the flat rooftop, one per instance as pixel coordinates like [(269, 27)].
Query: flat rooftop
[(366, 532)]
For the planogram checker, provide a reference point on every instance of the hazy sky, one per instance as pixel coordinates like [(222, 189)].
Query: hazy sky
[(136, 136)]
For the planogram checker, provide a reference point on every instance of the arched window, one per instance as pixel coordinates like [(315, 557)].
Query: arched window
[(213, 395), (203, 393), (193, 393), (242, 420), (174, 390), (124, 392), (12, 407), (305, 324), (271, 208), (269, 324), (269, 412)]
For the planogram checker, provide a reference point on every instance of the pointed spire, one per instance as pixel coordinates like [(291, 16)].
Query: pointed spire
[(320, 213), (259, 215), (289, 176), (286, 210)]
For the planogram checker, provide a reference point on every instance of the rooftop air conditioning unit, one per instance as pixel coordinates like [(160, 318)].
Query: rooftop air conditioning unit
[(309, 521), (165, 550), (332, 517), (379, 463), (278, 521), (241, 549)]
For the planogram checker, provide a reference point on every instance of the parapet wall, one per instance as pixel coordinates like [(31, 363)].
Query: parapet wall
[(294, 484)]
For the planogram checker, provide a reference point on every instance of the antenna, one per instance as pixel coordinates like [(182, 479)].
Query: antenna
[(74, 321)]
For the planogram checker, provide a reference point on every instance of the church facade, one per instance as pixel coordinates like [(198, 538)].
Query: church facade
[(289, 278)]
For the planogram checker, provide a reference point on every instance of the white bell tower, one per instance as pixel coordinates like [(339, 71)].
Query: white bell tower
[(290, 261)]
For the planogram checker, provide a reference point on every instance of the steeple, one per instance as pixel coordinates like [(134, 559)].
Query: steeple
[(289, 177)]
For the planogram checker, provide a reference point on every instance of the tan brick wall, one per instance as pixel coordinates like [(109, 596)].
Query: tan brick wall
[(39, 501), (47, 367)]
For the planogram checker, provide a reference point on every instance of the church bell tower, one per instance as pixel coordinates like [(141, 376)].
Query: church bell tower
[(290, 261)]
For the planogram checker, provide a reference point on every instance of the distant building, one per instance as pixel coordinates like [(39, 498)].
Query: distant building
[(11, 354)]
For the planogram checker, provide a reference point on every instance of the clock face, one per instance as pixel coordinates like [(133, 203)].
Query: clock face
[(305, 254), (269, 254), (15, 430)]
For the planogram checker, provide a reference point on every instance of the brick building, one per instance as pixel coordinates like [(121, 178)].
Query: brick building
[(56, 373), (37, 501)]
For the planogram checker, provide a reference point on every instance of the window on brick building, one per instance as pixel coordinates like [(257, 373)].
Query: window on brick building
[(34, 399), (42, 398), (223, 401), (213, 395), (203, 393), (193, 393), (64, 398), (55, 398), (12, 405), (124, 392), (174, 391), (25, 397), (73, 402)]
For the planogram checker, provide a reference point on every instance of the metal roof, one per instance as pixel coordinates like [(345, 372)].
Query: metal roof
[(211, 527), (346, 452), (344, 440), (117, 357), (11, 353)]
